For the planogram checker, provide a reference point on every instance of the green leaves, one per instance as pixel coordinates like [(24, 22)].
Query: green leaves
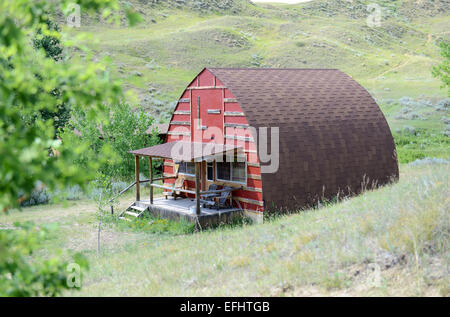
[(21, 275), (110, 141), (442, 71), (36, 89), (132, 16)]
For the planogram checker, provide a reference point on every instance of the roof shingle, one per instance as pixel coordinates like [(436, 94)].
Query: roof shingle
[(333, 135), (185, 151)]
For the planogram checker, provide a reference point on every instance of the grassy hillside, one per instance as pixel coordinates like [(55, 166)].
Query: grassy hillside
[(392, 241), (156, 59)]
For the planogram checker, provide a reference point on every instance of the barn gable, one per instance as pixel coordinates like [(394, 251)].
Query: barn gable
[(218, 109)]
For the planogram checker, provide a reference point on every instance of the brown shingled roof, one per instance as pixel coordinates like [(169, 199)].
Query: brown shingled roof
[(332, 132), (162, 128)]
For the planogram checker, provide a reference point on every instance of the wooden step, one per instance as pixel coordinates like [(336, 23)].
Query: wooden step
[(141, 209), (134, 214), (136, 209)]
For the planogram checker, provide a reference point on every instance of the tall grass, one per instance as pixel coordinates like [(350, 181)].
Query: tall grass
[(150, 224), (388, 241)]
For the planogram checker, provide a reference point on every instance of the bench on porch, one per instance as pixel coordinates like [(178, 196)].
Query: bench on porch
[(175, 192)]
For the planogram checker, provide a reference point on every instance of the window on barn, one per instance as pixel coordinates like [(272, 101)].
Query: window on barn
[(238, 172), (187, 168), (231, 171), (223, 171), (210, 171)]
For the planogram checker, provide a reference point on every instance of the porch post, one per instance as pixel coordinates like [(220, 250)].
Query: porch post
[(151, 178), (203, 173), (136, 168), (197, 186)]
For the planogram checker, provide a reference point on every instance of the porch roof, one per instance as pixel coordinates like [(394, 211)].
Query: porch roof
[(187, 151)]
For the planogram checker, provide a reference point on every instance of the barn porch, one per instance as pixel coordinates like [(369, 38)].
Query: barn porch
[(181, 202), (174, 209)]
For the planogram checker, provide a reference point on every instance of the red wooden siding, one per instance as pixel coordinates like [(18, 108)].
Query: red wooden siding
[(227, 116)]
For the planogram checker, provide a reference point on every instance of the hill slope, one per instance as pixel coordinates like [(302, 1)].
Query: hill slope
[(179, 38), (389, 242), (156, 59), (375, 244)]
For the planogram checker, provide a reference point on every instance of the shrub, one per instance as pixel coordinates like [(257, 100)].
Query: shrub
[(413, 144), (443, 105), (117, 186), (407, 114), (38, 196), (74, 192), (125, 131), (409, 130), (430, 161)]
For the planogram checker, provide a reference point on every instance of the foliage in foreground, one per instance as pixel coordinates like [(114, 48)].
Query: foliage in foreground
[(28, 80), (23, 275), (53, 49), (34, 85)]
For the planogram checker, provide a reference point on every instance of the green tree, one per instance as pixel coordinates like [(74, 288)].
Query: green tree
[(28, 151), (442, 71), (53, 49), (127, 129), (27, 79)]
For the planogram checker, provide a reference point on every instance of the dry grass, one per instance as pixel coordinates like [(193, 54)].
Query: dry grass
[(388, 242)]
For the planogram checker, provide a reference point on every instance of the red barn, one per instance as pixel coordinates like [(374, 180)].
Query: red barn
[(279, 138)]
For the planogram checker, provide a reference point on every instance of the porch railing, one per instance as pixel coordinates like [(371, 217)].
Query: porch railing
[(123, 191), (193, 192), (216, 191)]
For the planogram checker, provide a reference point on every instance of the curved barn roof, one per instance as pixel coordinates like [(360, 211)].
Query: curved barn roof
[(332, 133)]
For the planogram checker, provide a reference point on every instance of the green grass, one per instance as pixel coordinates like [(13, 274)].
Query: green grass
[(412, 147), (391, 61), (389, 241), (418, 132), (149, 224)]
